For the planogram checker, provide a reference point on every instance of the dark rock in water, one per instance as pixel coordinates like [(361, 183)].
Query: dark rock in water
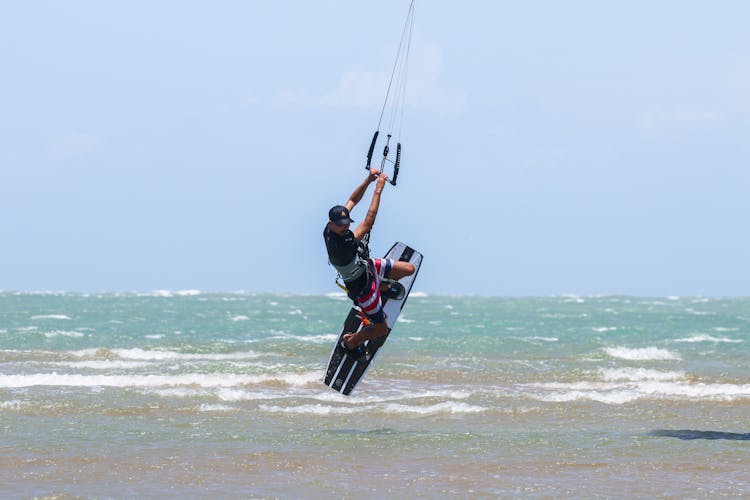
[(691, 434)]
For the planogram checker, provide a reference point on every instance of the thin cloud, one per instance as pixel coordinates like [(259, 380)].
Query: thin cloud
[(76, 145), (362, 88), (702, 94), (696, 118)]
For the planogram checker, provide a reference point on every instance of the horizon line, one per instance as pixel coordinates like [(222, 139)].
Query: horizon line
[(191, 292)]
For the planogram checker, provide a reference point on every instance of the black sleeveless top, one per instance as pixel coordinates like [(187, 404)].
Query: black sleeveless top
[(343, 250)]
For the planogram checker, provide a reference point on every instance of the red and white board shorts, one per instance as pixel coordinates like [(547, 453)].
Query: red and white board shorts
[(370, 302)]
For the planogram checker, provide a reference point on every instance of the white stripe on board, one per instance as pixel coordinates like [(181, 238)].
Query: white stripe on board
[(349, 376), (341, 364)]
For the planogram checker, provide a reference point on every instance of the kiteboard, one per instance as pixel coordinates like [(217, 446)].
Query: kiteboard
[(344, 370)]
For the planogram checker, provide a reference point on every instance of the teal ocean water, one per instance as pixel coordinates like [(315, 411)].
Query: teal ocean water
[(220, 395)]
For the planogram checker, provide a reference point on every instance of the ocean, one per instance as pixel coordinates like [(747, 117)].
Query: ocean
[(219, 395)]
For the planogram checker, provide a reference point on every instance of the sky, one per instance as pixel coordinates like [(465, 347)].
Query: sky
[(578, 147)]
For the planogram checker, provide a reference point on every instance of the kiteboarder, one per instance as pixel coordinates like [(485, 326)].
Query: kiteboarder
[(364, 278)]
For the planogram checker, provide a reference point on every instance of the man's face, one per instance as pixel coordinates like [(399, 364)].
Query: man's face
[(339, 229)]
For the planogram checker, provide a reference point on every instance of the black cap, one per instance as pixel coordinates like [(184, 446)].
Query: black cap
[(339, 215)]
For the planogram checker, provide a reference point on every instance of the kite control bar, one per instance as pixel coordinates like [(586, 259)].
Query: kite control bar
[(372, 148), (386, 150), (397, 164)]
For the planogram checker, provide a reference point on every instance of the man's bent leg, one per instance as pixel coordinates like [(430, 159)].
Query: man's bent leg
[(372, 306), (373, 331), (400, 269)]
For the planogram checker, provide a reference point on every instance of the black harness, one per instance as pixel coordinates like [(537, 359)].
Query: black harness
[(343, 251)]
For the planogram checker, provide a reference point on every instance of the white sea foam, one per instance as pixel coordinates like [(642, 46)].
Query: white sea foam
[(158, 355), (612, 398), (324, 338), (642, 354), (627, 391), (320, 409), (50, 316), (214, 407), (708, 338), (572, 298), (445, 407), (63, 333), (699, 313), (228, 394), (240, 317), (418, 294), (696, 390), (404, 319), (179, 392), (103, 364), (637, 374), (601, 329), (235, 395), (156, 381), (311, 409), (85, 353), (405, 395), (41, 292), (170, 293), (138, 354), (13, 404), (318, 339), (365, 401)]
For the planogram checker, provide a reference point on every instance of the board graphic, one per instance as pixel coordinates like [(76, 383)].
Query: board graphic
[(344, 371)]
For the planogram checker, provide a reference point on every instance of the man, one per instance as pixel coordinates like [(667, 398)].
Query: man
[(362, 276)]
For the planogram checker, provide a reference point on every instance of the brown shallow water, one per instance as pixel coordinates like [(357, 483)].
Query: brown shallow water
[(586, 449)]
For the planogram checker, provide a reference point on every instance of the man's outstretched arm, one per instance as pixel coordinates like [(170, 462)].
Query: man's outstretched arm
[(359, 191), (366, 226)]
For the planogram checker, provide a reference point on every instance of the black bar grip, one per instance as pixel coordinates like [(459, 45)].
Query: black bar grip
[(372, 148), (386, 148), (397, 164)]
